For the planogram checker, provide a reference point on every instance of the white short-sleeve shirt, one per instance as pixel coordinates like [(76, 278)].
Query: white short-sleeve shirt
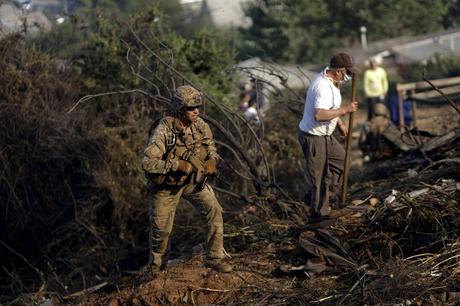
[(324, 95), (252, 116)]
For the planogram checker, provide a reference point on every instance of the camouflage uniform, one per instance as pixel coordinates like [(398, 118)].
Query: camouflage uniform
[(371, 141), (168, 144)]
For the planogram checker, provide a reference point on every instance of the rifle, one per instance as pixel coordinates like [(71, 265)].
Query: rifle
[(200, 186), (200, 177)]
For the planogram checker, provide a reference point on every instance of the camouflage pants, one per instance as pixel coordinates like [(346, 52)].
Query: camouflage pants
[(163, 204), (325, 158)]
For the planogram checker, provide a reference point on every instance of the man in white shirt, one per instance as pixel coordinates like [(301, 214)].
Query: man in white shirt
[(323, 153)]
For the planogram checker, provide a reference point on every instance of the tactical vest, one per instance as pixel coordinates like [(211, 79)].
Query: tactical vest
[(179, 145)]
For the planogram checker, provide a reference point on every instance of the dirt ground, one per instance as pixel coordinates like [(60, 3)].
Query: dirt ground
[(256, 280)]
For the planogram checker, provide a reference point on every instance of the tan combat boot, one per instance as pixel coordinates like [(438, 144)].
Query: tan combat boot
[(219, 265), (149, 271)]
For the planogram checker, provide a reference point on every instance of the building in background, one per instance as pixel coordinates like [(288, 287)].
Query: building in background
[(221, 13), (403, 51)]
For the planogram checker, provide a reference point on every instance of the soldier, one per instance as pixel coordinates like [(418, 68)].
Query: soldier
[(371, 141), (177, 161)]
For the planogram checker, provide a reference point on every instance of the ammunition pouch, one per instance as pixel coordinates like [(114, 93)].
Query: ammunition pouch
[(156, 179), (169, 179)]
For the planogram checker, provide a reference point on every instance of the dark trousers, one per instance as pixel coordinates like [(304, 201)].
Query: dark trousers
[(371, 101), (325, 158)]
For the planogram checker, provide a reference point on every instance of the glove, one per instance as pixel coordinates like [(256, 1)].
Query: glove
[(210, 167), (184, 166)]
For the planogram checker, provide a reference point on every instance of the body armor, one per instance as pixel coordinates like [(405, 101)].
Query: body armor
[(194, 145)]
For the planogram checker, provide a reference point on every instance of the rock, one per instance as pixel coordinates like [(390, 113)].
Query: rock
[(374, 201)]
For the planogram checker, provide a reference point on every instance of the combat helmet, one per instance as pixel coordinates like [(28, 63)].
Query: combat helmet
[(186, 95), (380, 109)]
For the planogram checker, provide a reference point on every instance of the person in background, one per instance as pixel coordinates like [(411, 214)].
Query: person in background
[(375, 86), (393, 105), (244, 97), (251, 114), (256, 95), (324, 155)]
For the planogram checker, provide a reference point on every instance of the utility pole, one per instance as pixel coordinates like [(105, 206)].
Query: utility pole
[(363, 30)]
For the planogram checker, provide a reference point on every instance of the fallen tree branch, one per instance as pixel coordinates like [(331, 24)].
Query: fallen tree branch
[(86, 291), (443, 161), (452, 103)]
